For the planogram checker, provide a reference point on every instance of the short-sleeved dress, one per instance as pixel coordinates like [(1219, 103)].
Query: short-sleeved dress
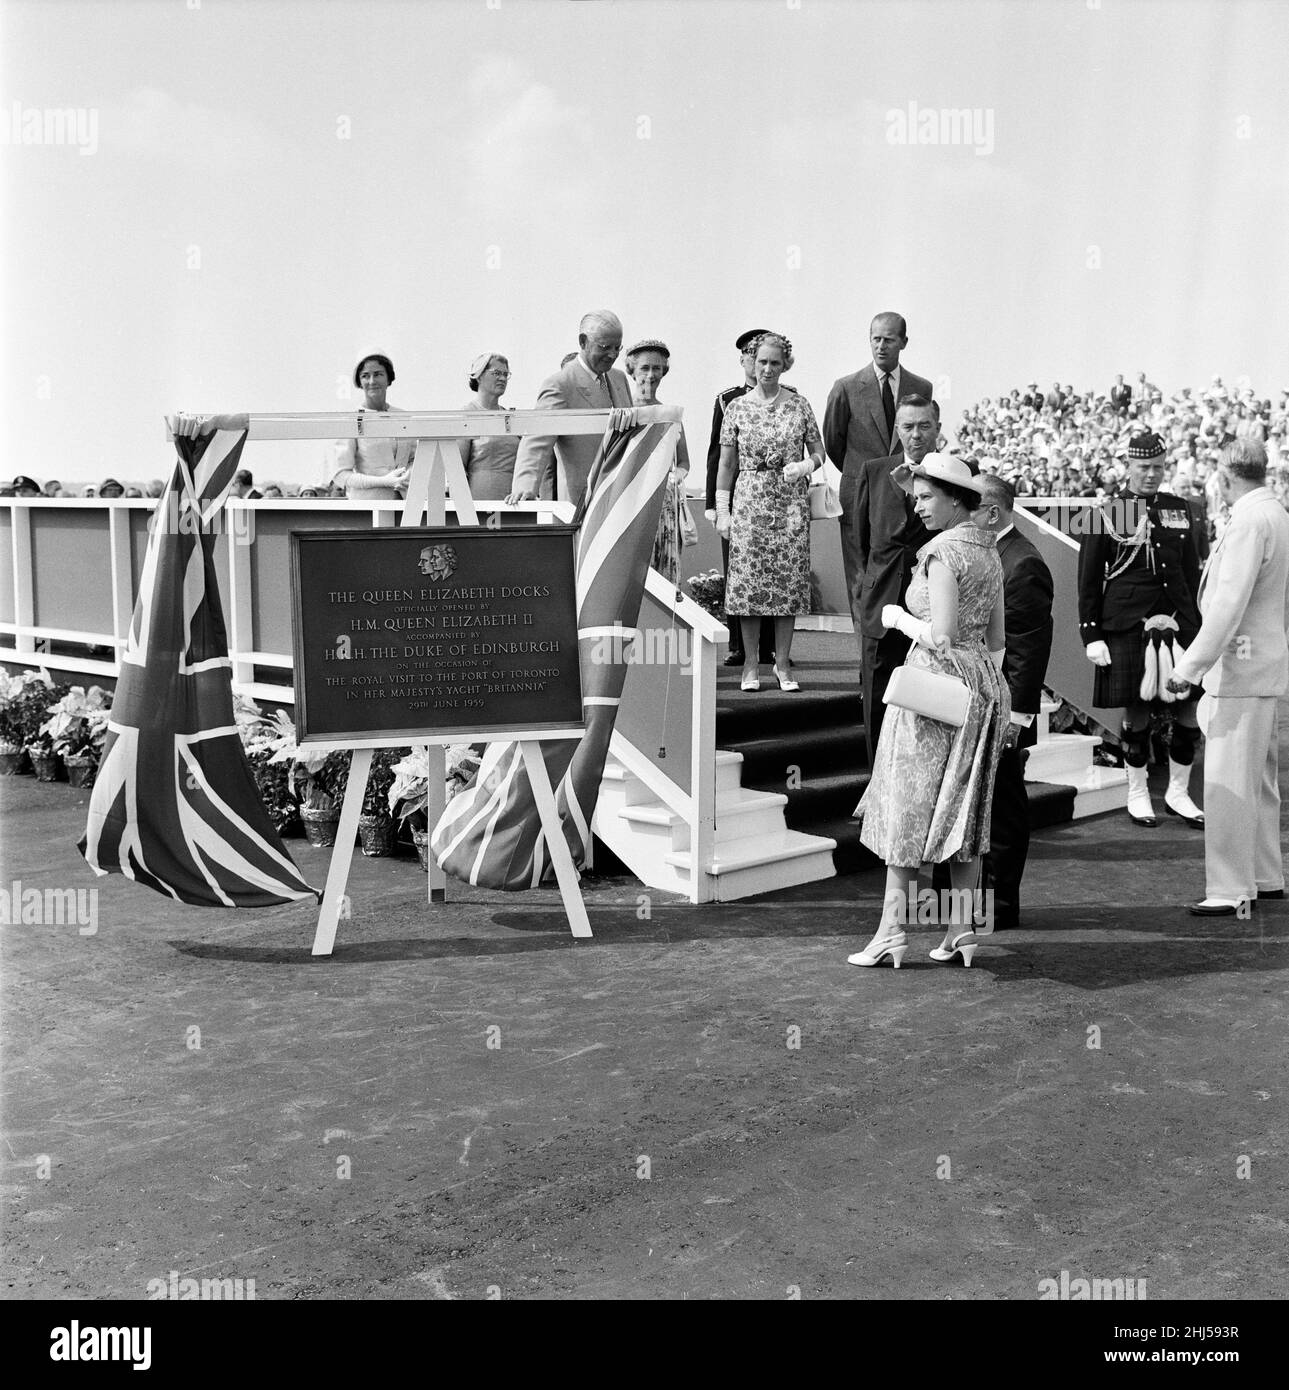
[(931, 790), (489, 461), (769, 568)]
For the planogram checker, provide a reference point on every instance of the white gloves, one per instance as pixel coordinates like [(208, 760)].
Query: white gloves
[(893, 616), (1098, 653), (722, 512), (711, 515), (792, 472)]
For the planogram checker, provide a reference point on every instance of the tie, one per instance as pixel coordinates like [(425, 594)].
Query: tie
[(888, 405), (603, 381)]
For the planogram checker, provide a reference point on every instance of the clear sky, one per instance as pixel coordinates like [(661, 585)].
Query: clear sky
[(257, 193)]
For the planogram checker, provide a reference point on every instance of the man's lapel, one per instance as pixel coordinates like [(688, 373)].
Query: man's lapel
[(873, 400)]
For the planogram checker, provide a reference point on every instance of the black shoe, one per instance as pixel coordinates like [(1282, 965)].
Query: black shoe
[(1271, 894), (735, 658)]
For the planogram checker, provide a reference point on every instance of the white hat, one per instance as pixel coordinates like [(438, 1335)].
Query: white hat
[(939, 468)]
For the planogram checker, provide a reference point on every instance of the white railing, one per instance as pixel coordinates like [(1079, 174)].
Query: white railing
[(435, 472)]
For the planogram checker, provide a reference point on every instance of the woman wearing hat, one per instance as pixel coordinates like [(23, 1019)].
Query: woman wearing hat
[(764, 435), (374, 470), (647, 363), (1138, 586), (930, 793), (489, 459)]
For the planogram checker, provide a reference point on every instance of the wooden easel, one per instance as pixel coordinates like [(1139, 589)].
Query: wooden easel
[(438, 473)]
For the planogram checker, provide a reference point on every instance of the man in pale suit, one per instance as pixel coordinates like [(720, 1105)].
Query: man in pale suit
[(1241, 656), (558, 465), (859, 424)]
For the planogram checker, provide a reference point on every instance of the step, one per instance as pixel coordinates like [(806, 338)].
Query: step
[(1060, 754), (825, 748), (741, 813), (729, 767), (1098, 790), (742, 717), (765, 863)]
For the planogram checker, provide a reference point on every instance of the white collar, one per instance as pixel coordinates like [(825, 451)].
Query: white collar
[(1011, 526)]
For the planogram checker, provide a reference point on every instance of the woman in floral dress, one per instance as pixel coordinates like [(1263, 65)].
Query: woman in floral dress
[(763, 440), (931, 790)]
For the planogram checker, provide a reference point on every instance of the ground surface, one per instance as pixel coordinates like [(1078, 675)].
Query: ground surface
[(644, 1125)]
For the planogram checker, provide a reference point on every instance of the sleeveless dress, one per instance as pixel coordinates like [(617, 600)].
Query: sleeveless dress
[(489, 461), (931, 790)]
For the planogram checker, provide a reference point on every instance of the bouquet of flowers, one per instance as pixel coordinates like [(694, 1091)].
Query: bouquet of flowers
[(708, 591)]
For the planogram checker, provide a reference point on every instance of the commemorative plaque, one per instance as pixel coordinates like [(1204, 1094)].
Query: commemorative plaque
[(415, 632)]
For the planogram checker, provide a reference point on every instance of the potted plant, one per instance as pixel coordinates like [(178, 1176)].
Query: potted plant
[(12, 757), (263, 737), (29, 713), (376, 830), (409, 794), (325, 770), (77, 728)]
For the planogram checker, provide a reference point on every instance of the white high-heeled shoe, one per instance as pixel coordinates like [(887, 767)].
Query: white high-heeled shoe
[(964, 945), (894, 946), (785, 681), (751, 681)]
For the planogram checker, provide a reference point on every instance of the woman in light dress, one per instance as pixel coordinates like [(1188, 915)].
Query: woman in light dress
[(931, 790)]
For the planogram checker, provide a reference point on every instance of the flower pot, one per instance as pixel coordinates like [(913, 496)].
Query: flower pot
[(48, 766), (81, 771), (320, 826), (14, 762), (421, 839), (376, 835)]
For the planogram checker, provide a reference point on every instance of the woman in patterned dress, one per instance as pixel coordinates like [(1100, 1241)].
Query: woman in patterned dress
[(763, 439), (647, 363), (931, 790)]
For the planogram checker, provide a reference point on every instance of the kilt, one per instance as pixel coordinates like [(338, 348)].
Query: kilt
[(1119, 683)]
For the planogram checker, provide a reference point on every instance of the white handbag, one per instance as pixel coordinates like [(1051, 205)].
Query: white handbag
[(929, 693), (825, 498)]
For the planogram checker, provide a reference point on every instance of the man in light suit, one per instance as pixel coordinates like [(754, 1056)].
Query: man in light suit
[(558, 465), (1241, 656), (859, 424)]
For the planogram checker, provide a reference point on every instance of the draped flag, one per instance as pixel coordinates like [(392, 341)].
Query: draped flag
[(491, 833), (174, 805)]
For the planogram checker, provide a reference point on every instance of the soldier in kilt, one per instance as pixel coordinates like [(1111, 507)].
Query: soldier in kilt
[(1138, 582)]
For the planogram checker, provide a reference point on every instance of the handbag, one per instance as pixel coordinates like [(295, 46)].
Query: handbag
[(688, 531), (825, 498), (929, 693)]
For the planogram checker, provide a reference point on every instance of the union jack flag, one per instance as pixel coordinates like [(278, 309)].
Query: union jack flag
[(174, 805), (491, 833)]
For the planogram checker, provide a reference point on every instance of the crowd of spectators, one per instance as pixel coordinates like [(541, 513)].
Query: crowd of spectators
[(1067, 443), (1054, 443)]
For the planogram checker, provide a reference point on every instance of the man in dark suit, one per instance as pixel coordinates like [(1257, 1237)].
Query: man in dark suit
[(888, 536), (1120, 395), (1027, 600), (745, 346), (859, 425)]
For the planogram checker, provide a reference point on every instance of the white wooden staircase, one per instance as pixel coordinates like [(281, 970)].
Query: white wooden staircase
[(753, 851), (1066, 760)]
